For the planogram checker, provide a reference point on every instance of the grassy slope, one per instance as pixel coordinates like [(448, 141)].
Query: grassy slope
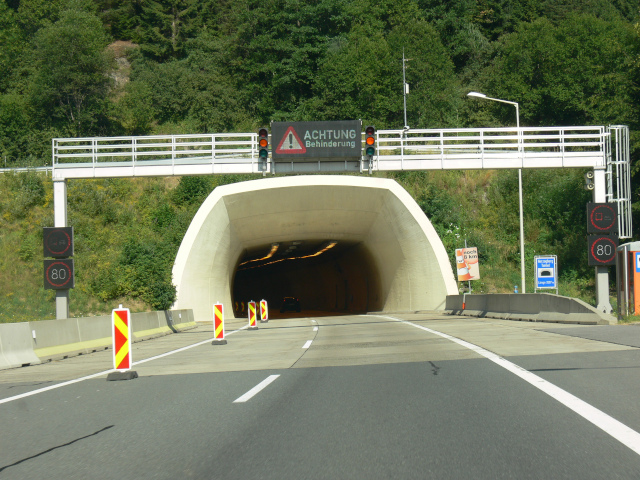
[(480, 206)]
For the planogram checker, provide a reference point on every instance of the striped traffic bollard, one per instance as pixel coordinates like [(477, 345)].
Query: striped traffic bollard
[(252, 316), (264, 311), (218, 325), (122, 362)]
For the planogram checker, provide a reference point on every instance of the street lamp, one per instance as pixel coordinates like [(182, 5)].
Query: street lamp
[(483, 96)]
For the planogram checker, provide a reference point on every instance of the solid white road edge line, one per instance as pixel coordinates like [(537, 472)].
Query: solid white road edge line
[(308, 344), (257, 389), (106, 372), (608, 424)]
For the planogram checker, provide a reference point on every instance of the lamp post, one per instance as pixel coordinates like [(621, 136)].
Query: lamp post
[(483, 96)]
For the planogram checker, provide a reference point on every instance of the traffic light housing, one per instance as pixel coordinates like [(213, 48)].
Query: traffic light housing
[(370, 142), (263, 144)]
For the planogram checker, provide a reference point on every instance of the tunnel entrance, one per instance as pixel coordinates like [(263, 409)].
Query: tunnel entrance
[(327, 277), (338, 243)]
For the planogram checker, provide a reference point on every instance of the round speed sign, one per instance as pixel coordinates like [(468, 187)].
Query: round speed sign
[(602, 249), (58, 274)]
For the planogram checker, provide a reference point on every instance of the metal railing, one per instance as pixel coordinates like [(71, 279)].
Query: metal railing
[(596, 147), (493, 148), (619, 176)]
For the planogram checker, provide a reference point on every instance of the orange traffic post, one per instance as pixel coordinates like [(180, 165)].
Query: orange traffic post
[(218, 325), (252, 316), (122, 361), (264, 311)]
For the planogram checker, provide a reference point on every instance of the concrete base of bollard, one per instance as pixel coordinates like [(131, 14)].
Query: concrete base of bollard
[(219, 342), (253, 328), (128, 375)]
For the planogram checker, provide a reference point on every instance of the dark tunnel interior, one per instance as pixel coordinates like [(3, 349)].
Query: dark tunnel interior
[(327, 277)]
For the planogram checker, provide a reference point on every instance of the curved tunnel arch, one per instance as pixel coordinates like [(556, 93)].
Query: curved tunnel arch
[(339, 243)]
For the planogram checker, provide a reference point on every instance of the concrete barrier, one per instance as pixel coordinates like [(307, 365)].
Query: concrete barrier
[(531, 307), (35, 342), (16, 347)]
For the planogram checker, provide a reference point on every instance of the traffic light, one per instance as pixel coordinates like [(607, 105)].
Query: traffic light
[(263, 143), (370, 142)]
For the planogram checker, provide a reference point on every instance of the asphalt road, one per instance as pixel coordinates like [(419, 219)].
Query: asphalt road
[(358, 397)]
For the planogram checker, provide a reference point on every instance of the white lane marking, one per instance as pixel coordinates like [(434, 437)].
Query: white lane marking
[(257, 389), (314, 321), (308, 344), (608, 424), (315, 329), (187, 347), (106, 372)]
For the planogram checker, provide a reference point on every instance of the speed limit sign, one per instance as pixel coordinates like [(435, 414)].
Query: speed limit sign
[(58, 274), (602, 249)]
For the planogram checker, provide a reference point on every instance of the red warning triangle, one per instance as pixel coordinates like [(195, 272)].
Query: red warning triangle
[(291, 143)]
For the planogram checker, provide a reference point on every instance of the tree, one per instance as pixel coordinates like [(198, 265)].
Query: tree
[(165, 26), (434, 98), (71, 83), (574, 73)]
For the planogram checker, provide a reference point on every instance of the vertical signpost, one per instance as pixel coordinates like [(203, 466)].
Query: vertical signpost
[(252, 316), (602, 220), (218, 325), (59, 275), (264, 312), (122, 339), (467, 268)]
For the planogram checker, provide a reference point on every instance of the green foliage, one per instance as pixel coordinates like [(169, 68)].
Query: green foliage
[(28, 192), (146, 268), (216, 66), (192, 189), (578, 72), (71, 82)]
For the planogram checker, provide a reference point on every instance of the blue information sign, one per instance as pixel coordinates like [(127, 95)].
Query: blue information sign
[(546, 272)]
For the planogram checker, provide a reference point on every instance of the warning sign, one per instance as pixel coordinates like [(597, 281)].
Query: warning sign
[(314, 141), (291, 143)]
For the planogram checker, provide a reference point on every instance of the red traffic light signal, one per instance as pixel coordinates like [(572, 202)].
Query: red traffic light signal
[(370, 141), (263, 143)]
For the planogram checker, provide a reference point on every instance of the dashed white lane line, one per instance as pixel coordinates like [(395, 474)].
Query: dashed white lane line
[(106, 372), (315, 329), (608, 424), (257, 389), (308, 344)]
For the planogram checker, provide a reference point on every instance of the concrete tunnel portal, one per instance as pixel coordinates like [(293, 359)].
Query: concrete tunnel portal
[(340, 244)]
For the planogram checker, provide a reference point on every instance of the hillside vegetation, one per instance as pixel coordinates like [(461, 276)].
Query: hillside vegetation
[(128, 231), (116, 67)]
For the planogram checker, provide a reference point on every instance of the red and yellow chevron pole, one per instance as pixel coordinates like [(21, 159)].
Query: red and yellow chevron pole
[(122, 340), (218, 325), (252, 316), (264, 311)]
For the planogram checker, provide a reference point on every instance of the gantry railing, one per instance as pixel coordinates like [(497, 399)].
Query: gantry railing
[(396, 150)]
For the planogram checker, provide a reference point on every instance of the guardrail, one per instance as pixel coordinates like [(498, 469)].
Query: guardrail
[(491, 148), (422, 149), (30, 343), (481, 148)]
